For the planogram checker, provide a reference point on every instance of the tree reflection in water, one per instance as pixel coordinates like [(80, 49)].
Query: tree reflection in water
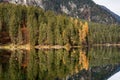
[(42, 64), (58, 64)]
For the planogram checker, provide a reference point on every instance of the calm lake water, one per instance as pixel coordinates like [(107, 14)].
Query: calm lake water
[(97, 63)]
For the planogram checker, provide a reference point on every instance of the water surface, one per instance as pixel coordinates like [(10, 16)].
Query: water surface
[(97, 63)]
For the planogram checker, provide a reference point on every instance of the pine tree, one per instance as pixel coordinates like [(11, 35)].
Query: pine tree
[(0, 25)]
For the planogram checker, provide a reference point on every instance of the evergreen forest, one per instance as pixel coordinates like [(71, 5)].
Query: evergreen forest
[(20, 25)]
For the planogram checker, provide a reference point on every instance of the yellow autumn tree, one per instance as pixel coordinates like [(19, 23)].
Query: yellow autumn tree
[(83, 33)]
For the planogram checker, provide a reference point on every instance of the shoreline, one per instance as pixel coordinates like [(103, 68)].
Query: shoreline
[(15, 47), (67, 46), (107, 44)]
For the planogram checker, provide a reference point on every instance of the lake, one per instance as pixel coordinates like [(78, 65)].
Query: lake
[(96, 63)]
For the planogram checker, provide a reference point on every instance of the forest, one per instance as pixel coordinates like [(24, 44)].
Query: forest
[(20, 25), (104, 33)]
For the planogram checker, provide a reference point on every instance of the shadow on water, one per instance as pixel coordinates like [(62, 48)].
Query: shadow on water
[(96, 64)]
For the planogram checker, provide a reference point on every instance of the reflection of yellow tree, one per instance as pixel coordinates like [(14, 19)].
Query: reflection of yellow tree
[(83, 60)]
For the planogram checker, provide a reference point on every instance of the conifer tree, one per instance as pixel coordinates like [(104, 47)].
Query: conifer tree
[(42, 33), (32, 24), (0, 25)]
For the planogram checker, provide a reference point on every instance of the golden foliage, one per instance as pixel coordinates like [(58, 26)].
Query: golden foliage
[(76, 22), (83, 32), (63, 33), (80, 23), (71, 19), (83, 61)]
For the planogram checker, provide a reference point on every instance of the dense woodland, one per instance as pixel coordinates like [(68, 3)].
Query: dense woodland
[(31, 25), (102, 34), (27, 24)]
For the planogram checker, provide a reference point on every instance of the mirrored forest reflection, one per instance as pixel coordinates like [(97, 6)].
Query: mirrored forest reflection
[(39, 46), (59, 64)]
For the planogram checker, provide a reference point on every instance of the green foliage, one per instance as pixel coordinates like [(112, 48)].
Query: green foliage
[(40, 65), (35, 26), (103, 56), (100, 34), (4, 16), (14, 71), (0, 25), (13, 26)]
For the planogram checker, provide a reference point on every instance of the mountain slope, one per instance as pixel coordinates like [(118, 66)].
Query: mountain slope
[(83, 9), (112, 13)]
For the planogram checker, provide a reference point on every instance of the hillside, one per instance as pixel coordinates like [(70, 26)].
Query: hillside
[(83, 9), (112, 13)]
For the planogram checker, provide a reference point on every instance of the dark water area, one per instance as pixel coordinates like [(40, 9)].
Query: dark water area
[(97, 63)]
